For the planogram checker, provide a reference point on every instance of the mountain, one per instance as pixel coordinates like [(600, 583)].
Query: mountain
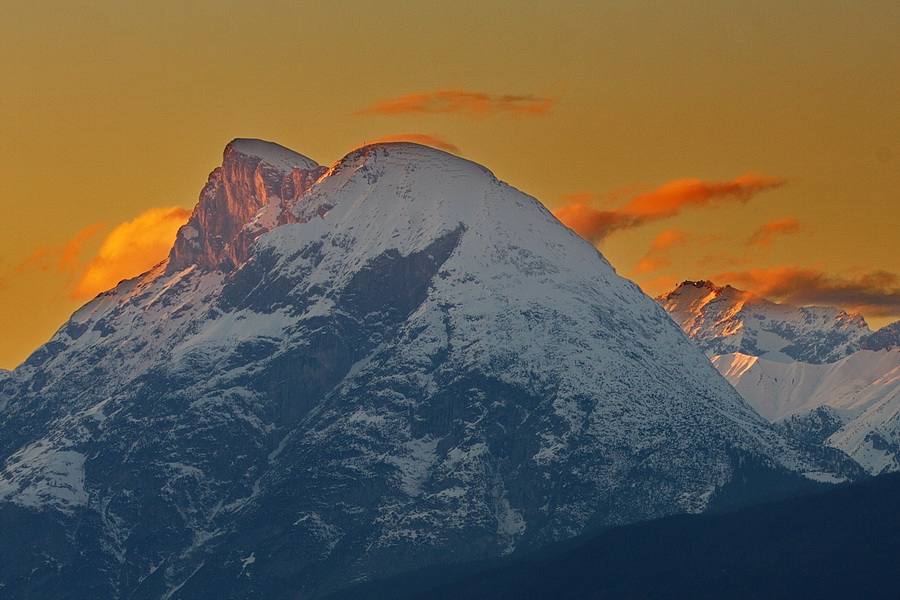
[(244, 198), (852, 404), (817, 372), (886, 338), (722, 320), (340, 374), (843, 543)]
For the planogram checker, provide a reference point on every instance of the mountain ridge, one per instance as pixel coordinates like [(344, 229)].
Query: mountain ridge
[(817, 372), (723, 319)]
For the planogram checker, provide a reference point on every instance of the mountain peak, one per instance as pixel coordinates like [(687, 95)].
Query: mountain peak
[(244, 198), (886, 338), (407, 156), (270, 153), (724, 319), (706, 286), (259, 183)]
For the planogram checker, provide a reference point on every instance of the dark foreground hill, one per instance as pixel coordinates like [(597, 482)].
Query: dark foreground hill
[(842, 543)]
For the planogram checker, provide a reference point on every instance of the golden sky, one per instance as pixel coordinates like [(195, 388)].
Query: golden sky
[(753, 142)]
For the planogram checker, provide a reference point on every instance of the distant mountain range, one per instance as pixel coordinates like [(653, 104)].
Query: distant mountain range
[(724, 320), (818, 372), (345, 373)]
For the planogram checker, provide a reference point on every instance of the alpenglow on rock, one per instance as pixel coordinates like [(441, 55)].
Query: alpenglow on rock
[(722, 319), (244, 198), (342, 374)]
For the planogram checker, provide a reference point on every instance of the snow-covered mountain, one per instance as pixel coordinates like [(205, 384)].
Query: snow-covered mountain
[(722, 320), (886, 338), (818, 372), (852, 404), (343, 373)]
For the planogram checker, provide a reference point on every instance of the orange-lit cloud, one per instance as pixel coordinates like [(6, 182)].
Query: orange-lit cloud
[(876, 293), (664, 202), (64, 258), (461, 102), (434, 140), (667, 239), (131, 249), (656, 258), (649, 264), (762, 237), (591, 224)]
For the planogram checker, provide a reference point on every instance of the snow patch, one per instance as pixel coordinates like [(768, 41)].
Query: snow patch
[(415, 463), (273, 154), (822, 477), (862, 389), (42, 475), (246, 562)]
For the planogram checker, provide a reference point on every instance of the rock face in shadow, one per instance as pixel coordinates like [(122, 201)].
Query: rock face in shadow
[(409, 363), (886, 338)]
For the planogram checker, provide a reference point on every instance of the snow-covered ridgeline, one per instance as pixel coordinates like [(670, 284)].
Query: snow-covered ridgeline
[(723, 320), (862, 391)]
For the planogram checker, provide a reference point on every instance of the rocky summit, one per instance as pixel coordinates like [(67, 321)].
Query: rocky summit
[(346, 373)]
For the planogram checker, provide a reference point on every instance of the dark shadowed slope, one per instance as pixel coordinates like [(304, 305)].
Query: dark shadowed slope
[(843, 543)]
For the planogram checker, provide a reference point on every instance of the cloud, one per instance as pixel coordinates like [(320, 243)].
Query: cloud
[(461, 102), (434, 140), (667, 239), (875, 293), (656, 258), (591, 224), (650, 264), (131, 249), (662, 203), (762, 237), (64, 258)]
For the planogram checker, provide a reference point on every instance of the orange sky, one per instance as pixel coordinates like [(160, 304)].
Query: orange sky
[(752, 142)]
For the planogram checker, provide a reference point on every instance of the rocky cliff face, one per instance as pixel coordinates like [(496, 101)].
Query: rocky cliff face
[(886, 338), (416, 364), (722, 319), (243, 199)]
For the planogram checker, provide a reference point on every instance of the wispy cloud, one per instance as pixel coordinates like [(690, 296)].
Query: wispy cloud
[(130, 249), (762, 237), (664, 202), (433, 139), (874, 293), (461, 102), (656, 258), (64, 258)]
